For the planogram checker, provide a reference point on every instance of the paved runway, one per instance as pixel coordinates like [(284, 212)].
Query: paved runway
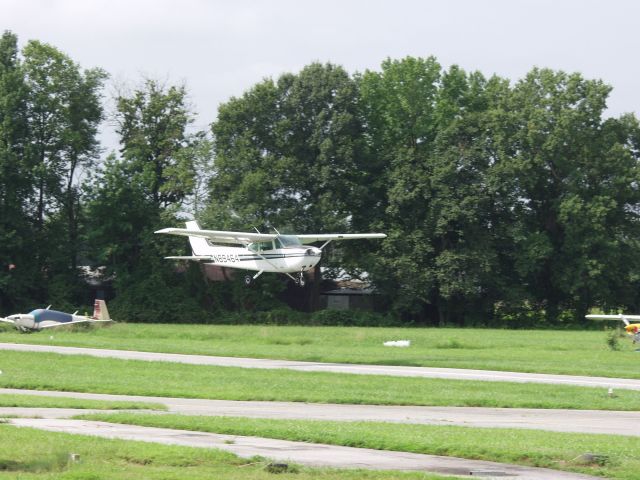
[(427, 372), (302, 453), (577, 421)]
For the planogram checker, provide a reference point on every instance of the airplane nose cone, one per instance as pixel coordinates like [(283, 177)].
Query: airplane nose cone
[(25, 321), (313, 252)]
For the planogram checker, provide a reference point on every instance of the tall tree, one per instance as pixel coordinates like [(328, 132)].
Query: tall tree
[(199, 153), (138, 193), (290, 154), (152, 124), (81, 147), (64, 110), (153, 176), (427, 125), (16, 270), (573, 179), (399, 107)]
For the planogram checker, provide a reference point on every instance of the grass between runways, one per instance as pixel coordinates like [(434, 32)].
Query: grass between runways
[(35, 401), (561, 352), (49, 371), (29, 454), (525, 447)]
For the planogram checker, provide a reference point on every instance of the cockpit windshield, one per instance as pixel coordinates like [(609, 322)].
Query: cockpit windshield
[(287, 241)]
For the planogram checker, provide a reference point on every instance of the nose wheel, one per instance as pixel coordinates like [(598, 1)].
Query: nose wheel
[(300, 280)]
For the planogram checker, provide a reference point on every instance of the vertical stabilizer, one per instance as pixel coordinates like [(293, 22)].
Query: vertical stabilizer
[(199, 246), (100, 311)]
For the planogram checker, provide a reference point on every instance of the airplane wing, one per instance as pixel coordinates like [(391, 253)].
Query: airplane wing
[(7, 320), (337, 236), (620, 316), (220, 236), (62, 324)]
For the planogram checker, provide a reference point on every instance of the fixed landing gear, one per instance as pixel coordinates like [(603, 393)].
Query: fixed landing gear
[(248, 279), (299, 279)]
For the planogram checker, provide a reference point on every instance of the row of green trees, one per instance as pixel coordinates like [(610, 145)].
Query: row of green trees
[(503, 202), (500, 200)]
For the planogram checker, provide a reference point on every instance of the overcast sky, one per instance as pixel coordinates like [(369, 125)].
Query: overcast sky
[(221, 48)]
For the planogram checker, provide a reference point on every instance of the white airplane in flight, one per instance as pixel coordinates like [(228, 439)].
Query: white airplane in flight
[(43, 318), (261, 252)]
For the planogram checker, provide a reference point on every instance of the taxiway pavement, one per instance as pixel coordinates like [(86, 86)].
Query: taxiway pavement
[(358, 369), (576, 421), (311, 454)]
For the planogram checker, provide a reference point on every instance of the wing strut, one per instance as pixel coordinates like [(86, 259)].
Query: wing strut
[(274, 267), (267, 260)]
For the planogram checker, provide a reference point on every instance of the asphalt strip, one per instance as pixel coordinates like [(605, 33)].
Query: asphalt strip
[(316, 455), (388, 370), (575, 421)]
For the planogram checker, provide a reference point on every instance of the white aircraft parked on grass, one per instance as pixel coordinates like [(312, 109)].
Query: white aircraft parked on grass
[(43, 318), (632, 329), (261, 252)]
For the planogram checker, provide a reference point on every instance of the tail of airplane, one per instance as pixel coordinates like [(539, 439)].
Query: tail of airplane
[(100, 311), (199, 246)]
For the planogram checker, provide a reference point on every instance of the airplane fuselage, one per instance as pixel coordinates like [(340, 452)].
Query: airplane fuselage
[(41, 318), (44, 318), (280, 260)]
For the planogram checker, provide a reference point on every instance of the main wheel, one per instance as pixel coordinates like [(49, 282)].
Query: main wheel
[(247, 280)]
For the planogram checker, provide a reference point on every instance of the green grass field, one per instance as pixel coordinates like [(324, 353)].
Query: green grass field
[(564, 352), (45, 456), (525, 447), (49, 371), (33, 401), (584, 353)]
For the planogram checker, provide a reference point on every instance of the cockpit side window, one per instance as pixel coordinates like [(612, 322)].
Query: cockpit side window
[(260, 246)]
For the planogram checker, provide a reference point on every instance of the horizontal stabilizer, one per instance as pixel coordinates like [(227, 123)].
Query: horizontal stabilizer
[(63, 324)]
